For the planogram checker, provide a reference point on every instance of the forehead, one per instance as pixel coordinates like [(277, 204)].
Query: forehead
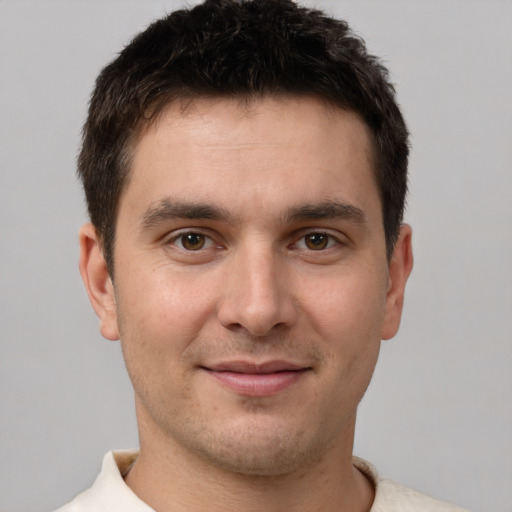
[(267, 151)]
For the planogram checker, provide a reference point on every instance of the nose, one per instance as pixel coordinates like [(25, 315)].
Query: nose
[(257, 293)]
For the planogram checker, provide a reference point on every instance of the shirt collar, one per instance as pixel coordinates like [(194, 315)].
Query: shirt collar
[(110, 492)]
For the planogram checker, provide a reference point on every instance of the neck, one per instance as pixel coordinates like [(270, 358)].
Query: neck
[(168, 478)]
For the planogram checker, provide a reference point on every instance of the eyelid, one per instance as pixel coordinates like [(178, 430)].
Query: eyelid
[(338, 238), (171, 238), (303, 233)]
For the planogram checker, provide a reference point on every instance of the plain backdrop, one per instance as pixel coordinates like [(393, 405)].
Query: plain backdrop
[(438, 415)]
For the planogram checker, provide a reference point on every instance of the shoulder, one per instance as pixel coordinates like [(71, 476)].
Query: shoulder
[(394, 497), (83, 502)]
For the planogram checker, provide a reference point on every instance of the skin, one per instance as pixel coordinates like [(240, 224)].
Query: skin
[(249, 235)]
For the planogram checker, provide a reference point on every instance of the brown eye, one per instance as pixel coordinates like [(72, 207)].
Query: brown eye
[(192, 241), (316, 241)]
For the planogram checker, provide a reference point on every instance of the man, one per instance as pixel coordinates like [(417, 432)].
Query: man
[(245, 172)]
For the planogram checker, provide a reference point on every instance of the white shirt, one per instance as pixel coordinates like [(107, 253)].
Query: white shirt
[(109, 493)]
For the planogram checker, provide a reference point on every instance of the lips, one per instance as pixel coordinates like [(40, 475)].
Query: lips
[(256, 379)]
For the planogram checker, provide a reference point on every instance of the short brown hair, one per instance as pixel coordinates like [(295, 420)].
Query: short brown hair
[(237, 49)]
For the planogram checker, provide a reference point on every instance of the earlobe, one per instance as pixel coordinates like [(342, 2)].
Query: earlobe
[(400, 268), (96, 278)]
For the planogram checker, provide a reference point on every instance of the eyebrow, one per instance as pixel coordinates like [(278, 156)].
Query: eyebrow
[(326, 210), (169, 209)]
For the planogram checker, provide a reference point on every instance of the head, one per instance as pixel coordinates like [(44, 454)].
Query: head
[(245, 170), (243, 51)]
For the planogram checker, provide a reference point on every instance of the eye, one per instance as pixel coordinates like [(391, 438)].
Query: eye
[(316, 241), (192, 241)]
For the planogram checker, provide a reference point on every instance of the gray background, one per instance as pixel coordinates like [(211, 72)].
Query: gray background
[(438, 415)]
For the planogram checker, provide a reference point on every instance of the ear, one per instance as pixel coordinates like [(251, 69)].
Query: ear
[(400, 267), (96, 278)]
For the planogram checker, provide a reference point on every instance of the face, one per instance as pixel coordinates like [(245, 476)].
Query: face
[(252, 288)]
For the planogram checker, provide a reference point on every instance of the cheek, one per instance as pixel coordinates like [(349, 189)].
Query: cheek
[(347, 316), (160, 313), (347, 307)]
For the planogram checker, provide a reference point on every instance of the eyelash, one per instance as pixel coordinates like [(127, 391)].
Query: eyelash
[(207, 240), (331, 241)]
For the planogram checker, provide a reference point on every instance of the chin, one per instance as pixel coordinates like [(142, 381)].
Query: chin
[(261, 449), (258, 460)]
